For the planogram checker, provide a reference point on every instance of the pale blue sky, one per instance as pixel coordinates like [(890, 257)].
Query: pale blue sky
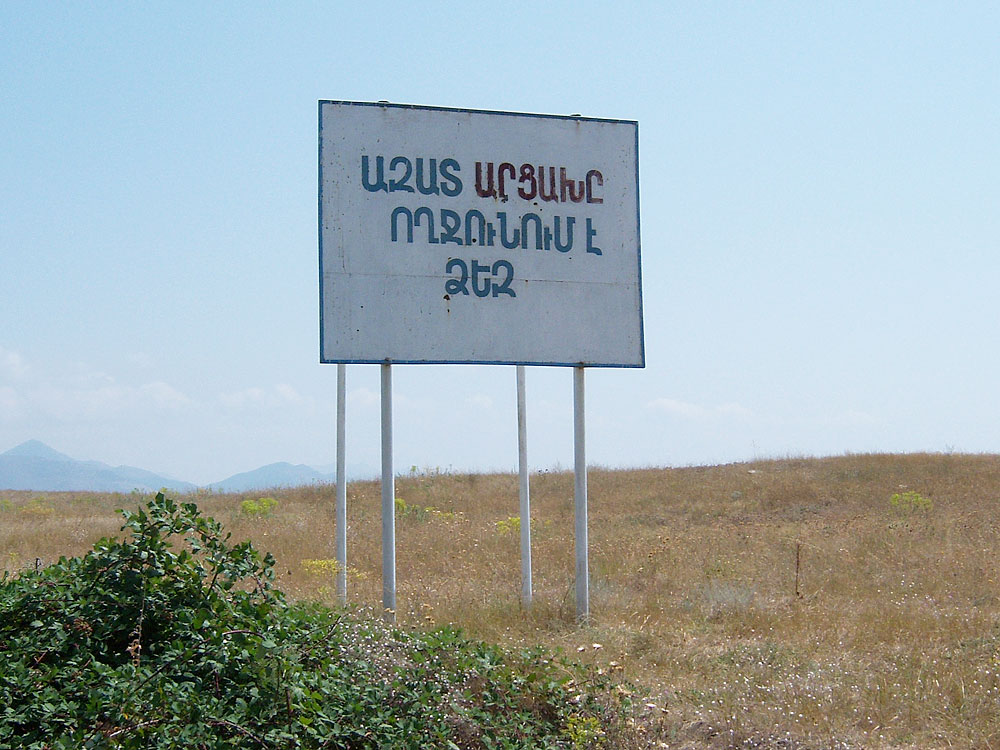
[(819, 190)]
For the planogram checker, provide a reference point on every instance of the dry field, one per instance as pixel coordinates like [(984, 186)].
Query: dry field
[(806, 603)]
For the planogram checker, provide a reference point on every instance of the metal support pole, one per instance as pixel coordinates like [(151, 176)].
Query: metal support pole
[(580, 498), (525, 507), (388, 501), (341, 485)]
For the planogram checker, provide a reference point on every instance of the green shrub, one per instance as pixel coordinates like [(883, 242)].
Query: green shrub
[(509, 525), (329, 568), (908, 502), (584, 732), (422, 513), (173, 637), (258, 508)]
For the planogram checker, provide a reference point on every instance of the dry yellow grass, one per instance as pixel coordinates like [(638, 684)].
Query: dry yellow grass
[(892, 639)]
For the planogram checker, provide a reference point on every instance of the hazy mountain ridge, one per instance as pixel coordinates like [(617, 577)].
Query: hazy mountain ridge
[(280, 474), (33, 465)]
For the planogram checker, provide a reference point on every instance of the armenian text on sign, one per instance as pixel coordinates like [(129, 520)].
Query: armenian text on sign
[(468, 236)]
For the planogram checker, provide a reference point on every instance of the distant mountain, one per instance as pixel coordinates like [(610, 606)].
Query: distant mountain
[(281, 474), (35, 466), (36, 449)]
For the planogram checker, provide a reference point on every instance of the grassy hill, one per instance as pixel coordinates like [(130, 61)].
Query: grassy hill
[(841, 602)]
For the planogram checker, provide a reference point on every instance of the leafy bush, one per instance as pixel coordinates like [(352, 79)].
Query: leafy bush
[(259, 508), (910, 501), (328, 568), (422, 513), (509, 525), (174, 638)]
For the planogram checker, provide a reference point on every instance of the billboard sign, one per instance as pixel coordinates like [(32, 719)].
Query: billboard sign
[(468, 236)]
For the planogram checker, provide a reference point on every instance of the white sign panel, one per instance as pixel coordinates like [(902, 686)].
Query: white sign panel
[(464, 236)]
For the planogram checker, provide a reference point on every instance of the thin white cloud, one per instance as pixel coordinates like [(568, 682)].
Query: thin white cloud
[(81, 402), (164, 395), (9, 401), (12, 365), (267, 398), (89, 401), (77, 391), (696, 411), (288, 394)]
